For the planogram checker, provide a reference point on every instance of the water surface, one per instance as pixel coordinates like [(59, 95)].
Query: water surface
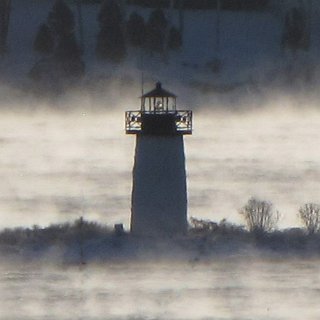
[(230, 288), (56, 167)]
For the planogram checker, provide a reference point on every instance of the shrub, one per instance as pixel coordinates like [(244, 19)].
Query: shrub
[(309, 215), (259, 216), (200, 226)]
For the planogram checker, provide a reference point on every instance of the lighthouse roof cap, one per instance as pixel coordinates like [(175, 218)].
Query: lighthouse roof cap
[(159, 92)]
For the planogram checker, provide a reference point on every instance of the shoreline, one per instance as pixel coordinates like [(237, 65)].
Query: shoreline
[(90, 242)]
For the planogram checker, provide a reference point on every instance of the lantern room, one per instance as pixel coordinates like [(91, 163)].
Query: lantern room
[(158, 100), (158, 115)]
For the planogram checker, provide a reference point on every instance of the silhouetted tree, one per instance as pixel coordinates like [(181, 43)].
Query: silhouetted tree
[(61, 19), (259, 216), (309, 215), (64, 65), (296, 34), (110, 41), (5, 10), (136, 30), (62, 23), (44, 41), (175, 39), (80, 23), (156, 30), (68, 54)]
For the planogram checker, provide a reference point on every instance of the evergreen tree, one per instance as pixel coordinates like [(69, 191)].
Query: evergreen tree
[(5, 12), (296, 35), (67, 48), (156, 29), (44, 42), (61, 19), (58, 37), (136, 30), (110, 40), (68, 54), (175, 39), (67, 51)]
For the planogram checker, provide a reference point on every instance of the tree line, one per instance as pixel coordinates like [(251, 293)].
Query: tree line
[(60, 47), (260, 217), (56, 42), (153, 35), (235, 5)]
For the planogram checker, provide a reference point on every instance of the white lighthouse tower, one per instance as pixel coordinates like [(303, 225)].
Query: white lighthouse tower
[(159, 192)]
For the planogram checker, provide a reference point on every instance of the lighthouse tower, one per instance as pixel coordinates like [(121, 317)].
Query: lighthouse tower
[(159, 191)]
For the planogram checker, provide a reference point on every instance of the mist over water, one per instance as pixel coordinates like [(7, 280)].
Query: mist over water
[(57, 166), (224, 289)]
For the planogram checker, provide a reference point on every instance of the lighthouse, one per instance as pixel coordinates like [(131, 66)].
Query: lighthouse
[(159, 187)]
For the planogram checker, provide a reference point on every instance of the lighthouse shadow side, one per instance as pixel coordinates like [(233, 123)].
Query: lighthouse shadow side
[(159, 195)]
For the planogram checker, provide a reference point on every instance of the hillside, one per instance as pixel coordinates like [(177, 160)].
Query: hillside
[(247, 57)]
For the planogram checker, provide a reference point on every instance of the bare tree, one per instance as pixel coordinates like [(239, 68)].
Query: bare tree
[(309, 215), (260, 215)]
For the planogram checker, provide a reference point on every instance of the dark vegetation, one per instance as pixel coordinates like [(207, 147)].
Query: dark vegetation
[(56, 43), (204, 4), (156, 32), (296, 33), (66, 233), (127, 33), (5, 10), (260, 231), (225, 237), (84, 241), (260, 216), (136, 30), (57, 36), (111, 38), (60, 55)]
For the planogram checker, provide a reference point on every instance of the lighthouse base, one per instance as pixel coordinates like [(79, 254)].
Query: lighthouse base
[(159, 193)]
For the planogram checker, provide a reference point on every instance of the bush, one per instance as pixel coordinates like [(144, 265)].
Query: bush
[(200, 226), (309, 215), (260, 216)]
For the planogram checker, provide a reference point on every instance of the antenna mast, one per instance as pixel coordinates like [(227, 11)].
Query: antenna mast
[(142, 73)]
